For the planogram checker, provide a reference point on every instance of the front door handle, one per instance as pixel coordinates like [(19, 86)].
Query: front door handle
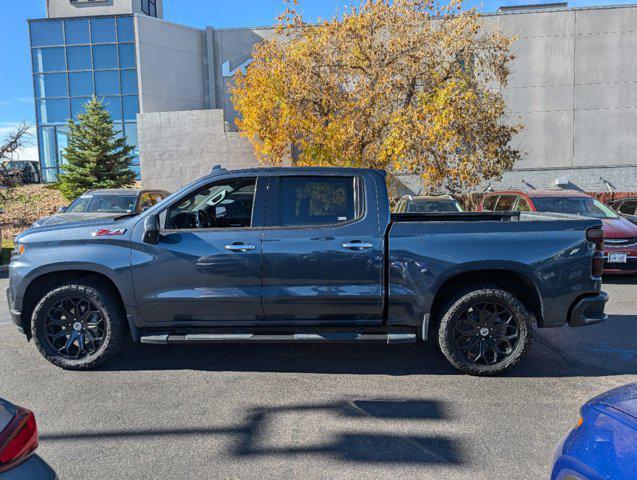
[(358, 245), (239, 247)]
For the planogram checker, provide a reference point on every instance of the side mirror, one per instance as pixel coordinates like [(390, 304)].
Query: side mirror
[(62, 209), (151, 230)]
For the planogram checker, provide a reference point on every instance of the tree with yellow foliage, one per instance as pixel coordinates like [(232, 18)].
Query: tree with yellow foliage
[(409, 86)]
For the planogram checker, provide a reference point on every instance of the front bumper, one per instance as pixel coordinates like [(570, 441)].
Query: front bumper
[(16, 316), (588, 310)]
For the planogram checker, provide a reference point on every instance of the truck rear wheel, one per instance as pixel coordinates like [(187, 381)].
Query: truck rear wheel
[(484, 331), (78, 326)]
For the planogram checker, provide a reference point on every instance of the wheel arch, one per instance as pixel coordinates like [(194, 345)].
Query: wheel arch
[(513, 280), (44, 282)]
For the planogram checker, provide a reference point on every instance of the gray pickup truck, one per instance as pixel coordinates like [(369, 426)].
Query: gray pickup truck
[(304, 255)]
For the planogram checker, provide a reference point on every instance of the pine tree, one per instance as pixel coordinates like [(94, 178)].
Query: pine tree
[(95, 157)]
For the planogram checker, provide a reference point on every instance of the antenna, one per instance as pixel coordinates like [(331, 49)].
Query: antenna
[(217, 168)]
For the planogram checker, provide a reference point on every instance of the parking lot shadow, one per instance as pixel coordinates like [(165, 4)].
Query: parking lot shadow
[(256, 434), (596, 350)]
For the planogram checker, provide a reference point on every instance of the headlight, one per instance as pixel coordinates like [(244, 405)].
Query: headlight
[(18, 250)]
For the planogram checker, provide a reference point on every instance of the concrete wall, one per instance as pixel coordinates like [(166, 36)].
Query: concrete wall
[(85, 8), (574, 87), (231, 51), (179, 147), (171, 63)]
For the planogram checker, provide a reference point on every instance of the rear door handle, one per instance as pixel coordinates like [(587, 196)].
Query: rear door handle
[(358, 245), (239, 247)]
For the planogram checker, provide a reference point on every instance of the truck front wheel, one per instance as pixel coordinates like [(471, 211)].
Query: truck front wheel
[(79, 325), (484, 330)]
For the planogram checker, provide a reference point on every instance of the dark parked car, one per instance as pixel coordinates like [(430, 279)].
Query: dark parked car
[(104, 204), (18, 442), (627, 208), (427, 204), (304, 255), (25, 171), (620, 245), (604, 443)]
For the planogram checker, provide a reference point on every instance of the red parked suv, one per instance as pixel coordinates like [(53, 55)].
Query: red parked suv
[(620, 247)]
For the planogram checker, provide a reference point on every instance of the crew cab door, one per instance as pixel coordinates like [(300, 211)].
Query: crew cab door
[(322, 251), (206, 268)]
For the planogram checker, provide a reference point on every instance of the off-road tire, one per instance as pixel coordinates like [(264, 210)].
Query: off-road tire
[(112, 313), (459, 304)]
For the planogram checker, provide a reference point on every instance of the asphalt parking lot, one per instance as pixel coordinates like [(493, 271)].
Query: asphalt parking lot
[(315, 411)]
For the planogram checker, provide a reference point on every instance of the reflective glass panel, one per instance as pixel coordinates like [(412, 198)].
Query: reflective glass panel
[(77, 106), (79, 58), (76, 31), (105, 57), (129, 82), (81, 83), (48, 60), (125, 30), (53, 111), (103, 30), (131, 108), (46, 141), (51, 85), (49, 175), (127, 56), (114, 107), (107, 83), (46, 33), (131, 139), (62, 137)]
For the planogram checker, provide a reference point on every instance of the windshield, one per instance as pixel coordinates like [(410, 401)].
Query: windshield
[(104, 204), (584, 206), (429, 206)]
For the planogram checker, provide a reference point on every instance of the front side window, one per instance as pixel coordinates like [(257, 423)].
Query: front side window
[(316, 201), (224, 204)]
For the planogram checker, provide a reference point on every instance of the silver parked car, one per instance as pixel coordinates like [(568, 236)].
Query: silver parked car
[(104, 204), (428, 204)]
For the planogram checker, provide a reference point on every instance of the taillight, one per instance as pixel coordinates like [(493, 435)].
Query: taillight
[(596, 236), (19, 440)]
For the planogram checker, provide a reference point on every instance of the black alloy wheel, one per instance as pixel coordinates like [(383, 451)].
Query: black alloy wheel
[(486, 333), (75, 328), (484, 330), (79, 325)]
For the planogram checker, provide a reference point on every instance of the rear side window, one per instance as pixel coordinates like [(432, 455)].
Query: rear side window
[(489, 203), (522, 205), (629, 207), (316, 201), (505, 203)]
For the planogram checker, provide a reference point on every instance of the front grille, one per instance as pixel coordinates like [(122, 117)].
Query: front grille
[(620, 242)]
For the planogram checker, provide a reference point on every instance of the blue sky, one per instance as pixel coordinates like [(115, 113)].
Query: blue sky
[(16, 89)]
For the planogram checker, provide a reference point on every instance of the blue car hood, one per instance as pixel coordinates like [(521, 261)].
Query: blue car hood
[(623, 399)]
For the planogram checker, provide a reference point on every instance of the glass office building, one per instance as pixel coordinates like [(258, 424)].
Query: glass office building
[(74, 60)]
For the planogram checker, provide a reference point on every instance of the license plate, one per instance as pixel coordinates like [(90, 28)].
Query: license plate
[(617, 257)]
